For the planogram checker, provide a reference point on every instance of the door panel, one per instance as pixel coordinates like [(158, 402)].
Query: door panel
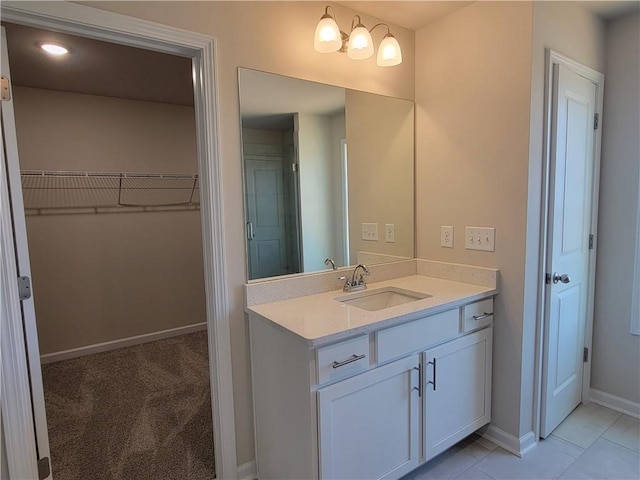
[(569, 227), (368, 425), (266, 237), (457, 399), (23, 264)]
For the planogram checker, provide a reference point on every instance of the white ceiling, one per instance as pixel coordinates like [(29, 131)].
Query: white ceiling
[(416, 14), (265, 94)]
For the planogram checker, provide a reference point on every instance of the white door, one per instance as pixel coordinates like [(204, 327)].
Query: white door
[(457, 390), (368, 424), (568, 244), (266, 228), (24, 270)]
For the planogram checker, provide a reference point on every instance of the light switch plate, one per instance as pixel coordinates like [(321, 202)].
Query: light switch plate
[(370, 231), (480, 238), (446, 236), (390, 232)]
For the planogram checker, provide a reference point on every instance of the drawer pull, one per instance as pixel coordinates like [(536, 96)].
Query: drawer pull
[(483, 316), (433, 383), (351, 359), (419, 387)]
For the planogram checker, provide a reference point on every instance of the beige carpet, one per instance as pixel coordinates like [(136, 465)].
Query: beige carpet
[(141, 412)]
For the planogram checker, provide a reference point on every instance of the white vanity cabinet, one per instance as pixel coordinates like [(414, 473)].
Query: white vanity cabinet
[(375, 404)]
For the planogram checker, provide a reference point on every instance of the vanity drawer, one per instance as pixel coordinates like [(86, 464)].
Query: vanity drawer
[(418, 334), (342, 360), (476, 315)]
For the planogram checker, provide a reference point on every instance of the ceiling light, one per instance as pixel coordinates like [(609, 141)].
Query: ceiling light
[(54, 49), (358, 44)]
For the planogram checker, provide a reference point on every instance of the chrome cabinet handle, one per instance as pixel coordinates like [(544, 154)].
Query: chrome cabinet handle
[(433, 383), (250, 235), (483, 316), (419, 387), (564, 278), (351, 359)]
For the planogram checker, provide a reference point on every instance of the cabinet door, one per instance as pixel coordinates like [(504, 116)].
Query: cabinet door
[(457, 397), (368, 424)]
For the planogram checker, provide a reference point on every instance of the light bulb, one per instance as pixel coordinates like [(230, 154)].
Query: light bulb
[(327, 38), (54, 49), (389, 53), (360, 43)]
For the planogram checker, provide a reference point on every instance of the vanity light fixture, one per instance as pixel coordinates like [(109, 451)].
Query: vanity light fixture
[(358, 44), (54, 48)]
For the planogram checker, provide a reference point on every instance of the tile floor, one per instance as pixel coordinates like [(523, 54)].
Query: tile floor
[(594, 442)]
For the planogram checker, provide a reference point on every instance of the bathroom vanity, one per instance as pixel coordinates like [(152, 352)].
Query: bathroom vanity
[(365, 389)]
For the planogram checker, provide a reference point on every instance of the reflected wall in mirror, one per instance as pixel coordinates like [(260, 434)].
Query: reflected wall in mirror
[(320, 162)]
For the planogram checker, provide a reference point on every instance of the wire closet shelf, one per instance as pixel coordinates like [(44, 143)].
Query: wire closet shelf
[(60, 192)]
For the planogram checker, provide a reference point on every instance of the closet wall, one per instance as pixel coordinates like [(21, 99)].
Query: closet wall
[(99, 277)]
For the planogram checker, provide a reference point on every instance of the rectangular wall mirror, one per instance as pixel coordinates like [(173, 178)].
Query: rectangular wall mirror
[(328, 174)]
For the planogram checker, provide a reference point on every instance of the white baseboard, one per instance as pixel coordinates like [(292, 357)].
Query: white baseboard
[(247, 471), (618, 404), (511, 443), (122, 342)]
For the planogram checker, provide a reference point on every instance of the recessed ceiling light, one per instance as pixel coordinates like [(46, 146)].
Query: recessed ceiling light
[(54, 49)]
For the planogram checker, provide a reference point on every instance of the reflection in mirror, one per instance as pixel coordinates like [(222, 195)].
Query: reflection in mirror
[(324, 169)]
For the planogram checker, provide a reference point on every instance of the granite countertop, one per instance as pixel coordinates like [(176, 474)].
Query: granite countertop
[(319, 319)]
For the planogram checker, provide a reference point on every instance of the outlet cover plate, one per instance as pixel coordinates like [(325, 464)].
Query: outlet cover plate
[(370, 231), (390, 232), (446, 236), (480, 238)]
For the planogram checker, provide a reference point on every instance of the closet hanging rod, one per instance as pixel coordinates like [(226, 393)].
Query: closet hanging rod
[(77, 174)]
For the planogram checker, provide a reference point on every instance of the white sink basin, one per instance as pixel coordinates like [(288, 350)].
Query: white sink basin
[(381, 298)]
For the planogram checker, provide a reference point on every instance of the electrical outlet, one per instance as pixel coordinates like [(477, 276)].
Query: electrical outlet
[(370, 231), (390, 232), (446, 236), (480, 238)]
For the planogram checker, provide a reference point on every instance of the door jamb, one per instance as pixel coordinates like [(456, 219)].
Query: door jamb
[(103, 25), (553, 57)]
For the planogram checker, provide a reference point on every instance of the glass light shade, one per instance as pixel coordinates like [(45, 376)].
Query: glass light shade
[(327, 38), (360, 43), (389, 53)]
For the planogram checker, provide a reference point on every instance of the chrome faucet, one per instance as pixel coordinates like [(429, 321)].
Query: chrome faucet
[(328, 261), (357, 281)]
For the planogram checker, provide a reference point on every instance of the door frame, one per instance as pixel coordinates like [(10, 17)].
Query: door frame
[(553, 57), (102, 25)]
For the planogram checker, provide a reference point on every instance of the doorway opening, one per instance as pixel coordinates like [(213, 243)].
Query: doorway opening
[(108, 159), (572, 165), (271, 196), (92, 23)]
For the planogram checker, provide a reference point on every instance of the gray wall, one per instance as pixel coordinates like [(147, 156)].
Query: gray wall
[(616, 352)]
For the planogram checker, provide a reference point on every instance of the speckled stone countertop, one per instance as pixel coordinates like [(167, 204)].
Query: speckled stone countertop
[(320, 319)]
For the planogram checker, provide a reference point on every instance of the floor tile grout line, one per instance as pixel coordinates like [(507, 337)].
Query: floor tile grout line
[(619, 445)]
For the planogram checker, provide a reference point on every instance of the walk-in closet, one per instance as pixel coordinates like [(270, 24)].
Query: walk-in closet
[(108, 159)]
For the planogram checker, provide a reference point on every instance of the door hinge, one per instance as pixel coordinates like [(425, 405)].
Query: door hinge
[(591, 241), (5, 88), (294, 167), (585, 354), (44, 468), (24, 288), (596, 121)]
